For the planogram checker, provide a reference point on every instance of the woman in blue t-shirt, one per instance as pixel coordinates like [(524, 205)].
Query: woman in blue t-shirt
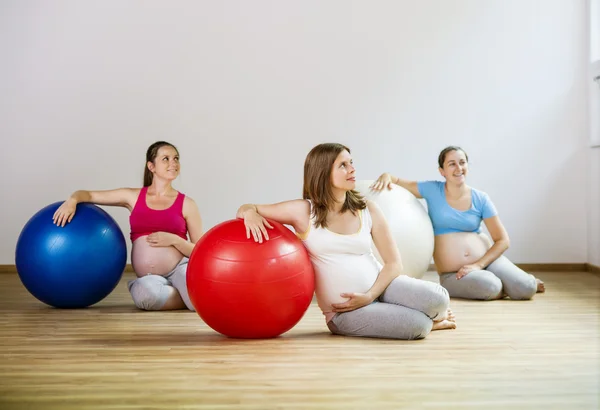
[(469, 264)]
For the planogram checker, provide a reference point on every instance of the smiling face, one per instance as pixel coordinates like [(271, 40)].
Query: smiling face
[(162, 161), (455, 167), (166, 163)]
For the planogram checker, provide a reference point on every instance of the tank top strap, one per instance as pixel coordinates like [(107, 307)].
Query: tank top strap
[(364, 214), (178, 205), (366, 219), (311, 208), (304, 235), (312, 216), (141, 199)]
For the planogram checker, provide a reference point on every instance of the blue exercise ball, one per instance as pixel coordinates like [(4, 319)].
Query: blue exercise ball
[(74, 266)]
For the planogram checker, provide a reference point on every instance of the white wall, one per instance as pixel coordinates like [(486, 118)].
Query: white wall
[(245, 89), (594, 208), (594, 134)]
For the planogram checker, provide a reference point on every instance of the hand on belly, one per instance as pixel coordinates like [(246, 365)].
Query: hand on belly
[(455, 250), (152, 259), (355, 301), (466, 269)]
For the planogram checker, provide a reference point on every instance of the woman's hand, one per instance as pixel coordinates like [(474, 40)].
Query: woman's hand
[(465, 270), (384, 181), (257, 225), (65, 213), (162, 239), (355, 301)]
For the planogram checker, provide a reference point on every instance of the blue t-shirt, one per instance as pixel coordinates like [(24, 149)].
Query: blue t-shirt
[(446, 219)]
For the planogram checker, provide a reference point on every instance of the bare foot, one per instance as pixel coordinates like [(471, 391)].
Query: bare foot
[(449, 316), (540, 286), (444, 324)]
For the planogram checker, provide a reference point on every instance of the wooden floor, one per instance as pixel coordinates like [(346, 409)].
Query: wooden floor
[(540, 354)]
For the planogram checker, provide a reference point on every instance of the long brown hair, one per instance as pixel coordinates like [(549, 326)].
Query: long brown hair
[(317, 183), (151, 154)]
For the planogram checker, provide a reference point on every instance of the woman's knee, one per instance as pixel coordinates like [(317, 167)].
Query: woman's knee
[(411, 330), (418, 329), (524, 290), (518, 284), (440, 301), (382, 320), (477, 285), (491, 289), (149, 292)]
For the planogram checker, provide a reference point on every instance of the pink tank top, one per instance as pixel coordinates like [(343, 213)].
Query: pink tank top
[(144, 220)]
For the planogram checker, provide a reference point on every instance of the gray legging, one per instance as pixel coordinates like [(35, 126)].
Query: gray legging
[(151, 292), (405, 310), (499, 277)]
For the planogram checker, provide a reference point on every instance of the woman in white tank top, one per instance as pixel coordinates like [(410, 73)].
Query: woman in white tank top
[(358, 295)]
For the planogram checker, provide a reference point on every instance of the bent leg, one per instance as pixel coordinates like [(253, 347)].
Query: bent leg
[(151, 292), (179, 282), (477, 285), (518, 284), (382, 320), (422, 295)]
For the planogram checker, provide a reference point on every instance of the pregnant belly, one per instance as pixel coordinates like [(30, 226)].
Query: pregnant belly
[(354, 274), (454, 250), (146, 259)]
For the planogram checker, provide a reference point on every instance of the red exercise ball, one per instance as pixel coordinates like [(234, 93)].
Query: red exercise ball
[(250, 290)]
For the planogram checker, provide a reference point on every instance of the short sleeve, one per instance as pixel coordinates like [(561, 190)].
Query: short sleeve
[(427, 189), (487, 207)]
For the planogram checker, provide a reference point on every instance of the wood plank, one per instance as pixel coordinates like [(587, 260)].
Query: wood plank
[(542, 353), (553, 267), (593, 268)]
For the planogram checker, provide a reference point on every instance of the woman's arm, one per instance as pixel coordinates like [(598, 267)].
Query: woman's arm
[(295, 213), (500, 238), (501, 244), (386, 246), (194, 226), (125, 197), (386, 180)]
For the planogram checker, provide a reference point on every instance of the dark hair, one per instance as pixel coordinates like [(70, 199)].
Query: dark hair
[(448, 149), (317, 183), (151, 154)]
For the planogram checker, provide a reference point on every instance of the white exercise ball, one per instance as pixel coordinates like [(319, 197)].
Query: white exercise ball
[(409, 224)]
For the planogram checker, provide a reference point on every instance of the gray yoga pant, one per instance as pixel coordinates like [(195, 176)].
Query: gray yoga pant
[(151, 292), (498, 278), (405, 310)]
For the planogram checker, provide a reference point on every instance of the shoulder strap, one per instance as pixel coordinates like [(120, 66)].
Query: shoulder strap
[(141, 199), (366, 219)]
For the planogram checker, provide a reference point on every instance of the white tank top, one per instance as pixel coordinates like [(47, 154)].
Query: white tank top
[(342, 263)]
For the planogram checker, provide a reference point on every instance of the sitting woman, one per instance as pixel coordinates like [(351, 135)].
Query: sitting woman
[(161, 218), (357, 295), (469, 264)]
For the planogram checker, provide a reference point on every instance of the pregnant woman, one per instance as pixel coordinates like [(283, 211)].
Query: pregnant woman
[(161, 220), (470, 265), (358, 295)]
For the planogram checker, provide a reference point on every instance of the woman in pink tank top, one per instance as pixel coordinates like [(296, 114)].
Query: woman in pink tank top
[(161, 220)]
